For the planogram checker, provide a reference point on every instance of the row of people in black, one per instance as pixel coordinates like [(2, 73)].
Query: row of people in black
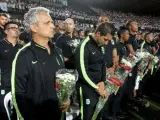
[(89, 60), (34, 66)]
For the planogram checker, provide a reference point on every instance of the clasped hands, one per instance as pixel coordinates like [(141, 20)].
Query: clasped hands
[(101, 90)]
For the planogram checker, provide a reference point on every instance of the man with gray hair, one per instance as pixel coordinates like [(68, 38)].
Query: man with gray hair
[(34, 68)]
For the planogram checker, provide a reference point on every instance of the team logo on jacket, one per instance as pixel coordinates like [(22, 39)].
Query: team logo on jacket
[(87, 101), (2, 92)]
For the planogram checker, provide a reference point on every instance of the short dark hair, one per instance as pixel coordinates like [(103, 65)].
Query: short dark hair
[(11, 22), (145, 36), (121, 31), (105, 28), (4, 14), (79, 31), (86, 33), (130, 22)]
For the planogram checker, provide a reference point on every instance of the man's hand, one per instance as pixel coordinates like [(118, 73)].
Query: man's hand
[(134, 93), (114, 77), (102, 93), (101, 85), (106, 94), (101, 90), (64, 107), (111, 70)]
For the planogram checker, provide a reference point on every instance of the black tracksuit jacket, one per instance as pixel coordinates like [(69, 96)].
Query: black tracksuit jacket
[(90, 63), (29, 88)]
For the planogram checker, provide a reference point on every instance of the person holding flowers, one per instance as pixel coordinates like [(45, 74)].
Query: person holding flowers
[(34, 71), (123, 35), (91, 66), (122, 52), (148, 45)]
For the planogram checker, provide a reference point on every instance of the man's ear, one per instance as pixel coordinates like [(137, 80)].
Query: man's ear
[(130, 27), (6, 31), (122, 35), (33, 28), (74, 26), (98, 34)]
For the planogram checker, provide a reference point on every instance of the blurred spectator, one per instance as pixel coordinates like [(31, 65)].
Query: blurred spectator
[(81, 34), (3, 21), (85, 19)]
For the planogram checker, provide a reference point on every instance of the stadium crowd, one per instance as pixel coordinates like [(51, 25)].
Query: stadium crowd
[(120, 18)]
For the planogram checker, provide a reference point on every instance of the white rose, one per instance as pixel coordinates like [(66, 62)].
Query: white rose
[(156, 59), (140, 54), (72, 78), (126, 62), (74, 44)]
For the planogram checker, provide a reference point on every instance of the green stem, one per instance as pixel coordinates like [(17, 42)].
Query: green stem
[(62, 116)]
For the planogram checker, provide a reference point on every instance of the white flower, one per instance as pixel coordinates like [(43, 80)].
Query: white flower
[(140, 55), (60, 76), (74, 44), (67, 77), (126, 62), (155, 59), (147, 54)]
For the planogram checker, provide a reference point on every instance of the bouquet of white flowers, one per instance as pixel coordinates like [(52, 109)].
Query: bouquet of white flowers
[(73, 44), (65, 83), (153, 62), (134, 59), (113, 83), (123, 69), (126, 64), (142, 68)]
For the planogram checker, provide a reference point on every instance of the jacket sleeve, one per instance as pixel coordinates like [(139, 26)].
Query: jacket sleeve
[(20, 76), (82, 60)]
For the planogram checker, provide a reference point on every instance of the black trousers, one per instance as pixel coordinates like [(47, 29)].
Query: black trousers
[(88, 102), (145, 85), (48, 111), (131, 83)]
